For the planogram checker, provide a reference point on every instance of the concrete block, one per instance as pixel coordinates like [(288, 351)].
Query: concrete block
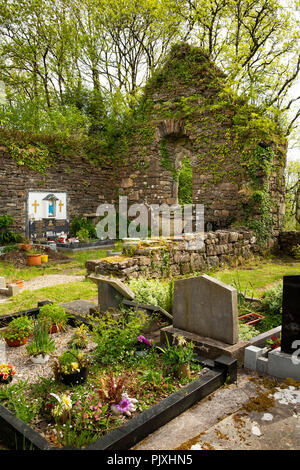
[(251, 355), (262, 365), (283, 365)]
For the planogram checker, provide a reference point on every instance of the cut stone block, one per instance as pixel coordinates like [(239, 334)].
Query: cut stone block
[(207, 307), (284, 365), (2, 283)]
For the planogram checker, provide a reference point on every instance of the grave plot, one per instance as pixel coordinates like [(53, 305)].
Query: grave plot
[(277, 352), (105, 385)]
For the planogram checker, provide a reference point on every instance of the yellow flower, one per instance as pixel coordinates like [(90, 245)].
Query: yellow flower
[(66, 402)]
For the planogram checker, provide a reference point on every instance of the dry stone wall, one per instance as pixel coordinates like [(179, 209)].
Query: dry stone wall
[(172, 257)]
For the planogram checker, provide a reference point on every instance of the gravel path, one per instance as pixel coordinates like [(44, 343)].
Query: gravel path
[(50, 280)]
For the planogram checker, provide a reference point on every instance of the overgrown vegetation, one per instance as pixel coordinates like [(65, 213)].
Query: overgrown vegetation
[(6, 234)]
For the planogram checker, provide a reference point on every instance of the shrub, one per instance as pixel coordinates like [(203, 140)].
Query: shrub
[(83, 235), (117, 338), (7, 235), (53, 314), (272, 305), (79, 223), (19, 328), (153, 292)]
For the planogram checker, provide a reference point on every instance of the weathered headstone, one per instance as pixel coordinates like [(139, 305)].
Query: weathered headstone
[(290, 313), (207, 307), (111, 292)]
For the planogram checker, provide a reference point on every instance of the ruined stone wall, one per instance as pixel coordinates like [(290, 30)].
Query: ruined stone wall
[(238, 160), (172, 258), (288, 240), (86, 186)]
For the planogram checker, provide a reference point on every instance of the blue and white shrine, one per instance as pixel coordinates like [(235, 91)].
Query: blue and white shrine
[(47, 214)]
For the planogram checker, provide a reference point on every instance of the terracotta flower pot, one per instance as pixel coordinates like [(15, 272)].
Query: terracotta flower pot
[(16, 342), (34, 260), (53, 329)]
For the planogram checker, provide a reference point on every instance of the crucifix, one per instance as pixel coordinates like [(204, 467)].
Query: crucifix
[(35, 205), (60, 205)]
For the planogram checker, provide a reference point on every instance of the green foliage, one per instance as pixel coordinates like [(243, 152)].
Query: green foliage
[(53, 314), (84, 226), (7, 235), (19, 328), (179, 353), (246, 332), (153, 292), (296, 252), (41, 343), (185, 182), (15, 398), (117, 338), (272, 307), (80, 337), (83, 235)]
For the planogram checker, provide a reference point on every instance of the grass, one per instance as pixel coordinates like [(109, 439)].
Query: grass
[(258, 275), (60, 293), (76, 266)]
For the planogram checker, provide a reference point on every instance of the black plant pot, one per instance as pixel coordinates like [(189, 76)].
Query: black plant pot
[(76, 378)]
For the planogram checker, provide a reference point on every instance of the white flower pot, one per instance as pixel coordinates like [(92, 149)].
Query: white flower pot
[(40, 359)]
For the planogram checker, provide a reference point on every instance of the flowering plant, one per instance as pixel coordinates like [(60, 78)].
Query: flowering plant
[(7, 371), (89, 412), (144, 342), (61, 411), (181, 352), (274, 342)]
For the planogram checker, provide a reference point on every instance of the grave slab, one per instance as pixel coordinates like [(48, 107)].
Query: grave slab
[(78, 307), (208, 347), (206, 307)]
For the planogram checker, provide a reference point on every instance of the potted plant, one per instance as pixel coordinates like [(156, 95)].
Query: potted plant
[(54, 316), (7, 371), (42, 345), (18, 331), (178, 356), (71, 368), (34, 258)]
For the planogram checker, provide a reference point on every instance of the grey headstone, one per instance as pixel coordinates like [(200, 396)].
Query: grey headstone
[(78, 307), (111, 292), (207, 307)]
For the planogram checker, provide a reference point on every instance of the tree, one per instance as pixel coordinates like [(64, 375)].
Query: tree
[(256, 43), (292, 200)]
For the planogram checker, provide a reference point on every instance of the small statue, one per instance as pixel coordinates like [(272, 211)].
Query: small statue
[(126, 406)]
